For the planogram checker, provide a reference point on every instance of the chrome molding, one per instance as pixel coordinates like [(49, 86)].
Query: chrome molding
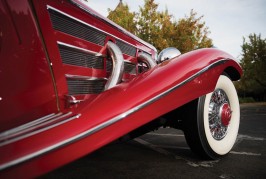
[(110, 121), (81, 49), (118, 65), (114, 25), (77, 77), (52, 8), (35, 127), (40, 152), (9, 133)]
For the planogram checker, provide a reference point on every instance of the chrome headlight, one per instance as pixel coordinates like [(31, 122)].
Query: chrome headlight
[(167, 54)]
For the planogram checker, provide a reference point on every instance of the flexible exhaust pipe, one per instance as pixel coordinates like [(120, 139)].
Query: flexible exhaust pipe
[(118, 65), (147, 59)]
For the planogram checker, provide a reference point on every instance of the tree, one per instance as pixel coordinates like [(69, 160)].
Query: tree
[(253, 63), (191, 33), (148, 22), (162, 30), (123, 17), (167, 31)]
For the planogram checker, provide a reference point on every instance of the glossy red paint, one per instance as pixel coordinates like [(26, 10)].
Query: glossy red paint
[(101, 118), (226, 114), (27, 90), (52, 37), (92, 112)]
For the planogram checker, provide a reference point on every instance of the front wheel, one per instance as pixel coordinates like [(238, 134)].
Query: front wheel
[(212, 129)]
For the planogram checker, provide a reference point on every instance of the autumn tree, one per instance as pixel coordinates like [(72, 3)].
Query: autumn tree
[(191, 33), (123, 17), (167, 31), (162, 30), (148, 22), (253, 62)]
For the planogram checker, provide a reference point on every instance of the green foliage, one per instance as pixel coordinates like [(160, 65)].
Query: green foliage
[(191, 33), (161, 29), (253, 63), (123, 17), (148, 22)]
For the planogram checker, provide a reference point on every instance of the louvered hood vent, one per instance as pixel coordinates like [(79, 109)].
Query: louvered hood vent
[(79, 86), (76, 56), (76, 28), (126, 48), (80, 29), (80, 57)]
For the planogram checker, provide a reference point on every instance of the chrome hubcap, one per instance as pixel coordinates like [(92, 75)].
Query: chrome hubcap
[(219, 114)]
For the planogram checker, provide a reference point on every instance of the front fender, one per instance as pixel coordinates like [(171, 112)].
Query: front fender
[(184, 78), (121, 109), (164, 88)]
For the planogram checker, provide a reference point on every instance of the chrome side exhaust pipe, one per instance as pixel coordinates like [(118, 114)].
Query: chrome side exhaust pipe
[(147, 59), (118, 65)]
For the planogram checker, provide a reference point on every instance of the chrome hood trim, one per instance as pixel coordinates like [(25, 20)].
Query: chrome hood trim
[(85, 7)]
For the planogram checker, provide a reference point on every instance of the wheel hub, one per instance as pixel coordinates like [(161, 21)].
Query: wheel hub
[(219, 114), (225, 114)]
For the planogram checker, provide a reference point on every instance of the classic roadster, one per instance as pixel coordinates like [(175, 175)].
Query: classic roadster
[(72, 81)]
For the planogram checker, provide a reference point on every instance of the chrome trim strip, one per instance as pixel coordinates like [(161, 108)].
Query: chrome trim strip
[(9, 133), (43, 127), (77, 77), (81, 49), (121, 29), (40, 152), (109, 122), (50, 7)]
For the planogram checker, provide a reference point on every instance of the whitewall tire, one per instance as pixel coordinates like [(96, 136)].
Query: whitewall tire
[(212, 131)]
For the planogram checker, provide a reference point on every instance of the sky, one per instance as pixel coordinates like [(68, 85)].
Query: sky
[(228, 20)]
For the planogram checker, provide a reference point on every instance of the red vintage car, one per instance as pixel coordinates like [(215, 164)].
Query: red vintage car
[(72, 81)]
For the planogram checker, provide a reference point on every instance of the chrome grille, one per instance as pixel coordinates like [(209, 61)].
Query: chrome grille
[(83, 86), (77, 57), (75, 28), (126, 48)]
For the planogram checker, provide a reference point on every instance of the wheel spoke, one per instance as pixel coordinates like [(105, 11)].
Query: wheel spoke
[(216, 106)]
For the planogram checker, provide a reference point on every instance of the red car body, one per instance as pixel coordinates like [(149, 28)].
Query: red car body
[(47, 118)]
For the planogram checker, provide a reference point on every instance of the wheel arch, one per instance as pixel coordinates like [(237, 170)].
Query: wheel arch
[(233, 73)]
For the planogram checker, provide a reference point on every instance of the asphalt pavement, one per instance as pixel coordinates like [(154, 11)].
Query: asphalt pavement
[(165, 154)]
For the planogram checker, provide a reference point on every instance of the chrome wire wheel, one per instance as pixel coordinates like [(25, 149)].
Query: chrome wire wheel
[(221, 117), (212, 121), (219, 114)]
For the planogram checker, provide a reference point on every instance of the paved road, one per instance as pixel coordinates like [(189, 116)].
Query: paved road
[(165, 154)]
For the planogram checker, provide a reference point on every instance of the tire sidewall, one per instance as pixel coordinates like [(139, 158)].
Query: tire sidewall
[(213, 147)]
